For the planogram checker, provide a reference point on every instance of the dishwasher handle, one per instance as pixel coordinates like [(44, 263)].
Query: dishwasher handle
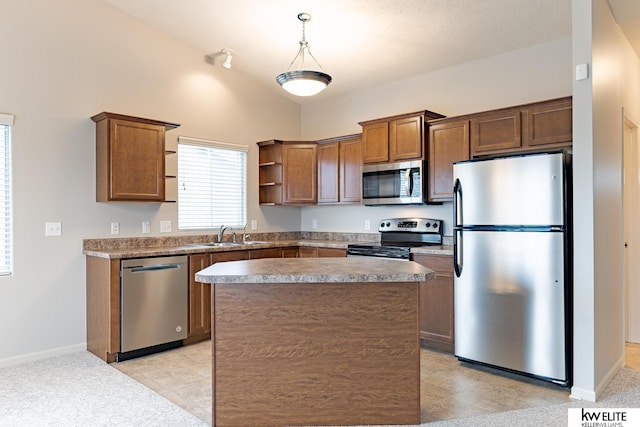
[(140, 269)]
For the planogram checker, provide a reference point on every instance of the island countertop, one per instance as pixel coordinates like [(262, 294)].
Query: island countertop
[(315, 270)]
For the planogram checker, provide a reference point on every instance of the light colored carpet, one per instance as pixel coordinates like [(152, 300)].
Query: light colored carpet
[(81, 390)]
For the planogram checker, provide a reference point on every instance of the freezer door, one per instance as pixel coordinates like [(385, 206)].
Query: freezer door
[(512, 191), (510, 302)]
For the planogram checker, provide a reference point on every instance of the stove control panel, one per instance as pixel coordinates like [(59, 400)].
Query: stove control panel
[(411, 225)]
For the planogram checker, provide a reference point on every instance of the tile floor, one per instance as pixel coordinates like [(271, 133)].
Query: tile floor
[(450, 389)]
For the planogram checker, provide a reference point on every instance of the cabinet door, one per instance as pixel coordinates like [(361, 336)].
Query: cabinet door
[(405, 138), (290, 253), (331, 252), (448, 143), (265, 253), (496, 131), (199, 300), (307, 252), (328, 172), (136, 165), (351, 171), (375, 143), (549, 123), (436, 303), (299, 174)]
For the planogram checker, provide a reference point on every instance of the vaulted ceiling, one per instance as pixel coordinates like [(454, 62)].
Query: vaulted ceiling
[(363, 42)]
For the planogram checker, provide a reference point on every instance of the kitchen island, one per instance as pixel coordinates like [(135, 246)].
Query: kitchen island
[(315, 341)]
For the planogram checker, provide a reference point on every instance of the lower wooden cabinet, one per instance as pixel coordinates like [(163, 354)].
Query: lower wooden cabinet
[(200, 293), (436, 303), (311, 252)]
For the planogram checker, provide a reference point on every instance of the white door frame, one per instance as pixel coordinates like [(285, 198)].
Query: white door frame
[(631, 231)]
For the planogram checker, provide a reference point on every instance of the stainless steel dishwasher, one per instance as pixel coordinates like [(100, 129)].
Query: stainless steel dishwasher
[(153, 305)]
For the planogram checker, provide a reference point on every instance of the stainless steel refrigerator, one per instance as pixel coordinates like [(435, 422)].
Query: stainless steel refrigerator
[(512, 260)]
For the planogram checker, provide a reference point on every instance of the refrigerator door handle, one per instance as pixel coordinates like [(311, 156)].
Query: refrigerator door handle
[(457, 206), (457, 252), (457, 229)]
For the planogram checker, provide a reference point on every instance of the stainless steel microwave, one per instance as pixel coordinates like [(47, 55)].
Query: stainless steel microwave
[(393, 183)]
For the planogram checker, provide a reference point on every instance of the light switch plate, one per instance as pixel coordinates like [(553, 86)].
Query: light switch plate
[(367, 224), (254, 224), (53, 229), (165, 226), (146, 227)]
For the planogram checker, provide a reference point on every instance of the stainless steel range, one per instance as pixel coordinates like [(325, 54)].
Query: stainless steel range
[(398, 236)]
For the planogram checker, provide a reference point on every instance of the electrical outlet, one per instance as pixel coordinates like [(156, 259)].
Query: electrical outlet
[(367, 224), (115, 228), (146, 227), (254, 224), (165, 226), (52, 229), (314, 224)]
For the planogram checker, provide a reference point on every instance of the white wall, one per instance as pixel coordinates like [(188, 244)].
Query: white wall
[(527, 75), (63, 62), (598, 122)]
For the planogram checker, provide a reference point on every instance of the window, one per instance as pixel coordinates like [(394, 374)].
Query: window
[(212, 184), (6, 252)]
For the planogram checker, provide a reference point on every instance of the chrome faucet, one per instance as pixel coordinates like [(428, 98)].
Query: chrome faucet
[(221, 231)]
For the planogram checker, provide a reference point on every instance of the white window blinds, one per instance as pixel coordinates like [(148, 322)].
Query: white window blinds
[(6, 252), (212, 184)]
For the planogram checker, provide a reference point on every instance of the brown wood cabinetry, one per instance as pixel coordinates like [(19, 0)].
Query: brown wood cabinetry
[(496, 131), (130, 158), (436, 303), (533, 127), (103, 307), (311, 252), (448, 143), (287, 172), (395, 138), (200, 293), (199, 300), (339, 169)]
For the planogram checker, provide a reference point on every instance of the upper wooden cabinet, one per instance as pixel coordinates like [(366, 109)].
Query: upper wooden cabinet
[(530, 127), (287, 172), (395, 138), (130, 158), (339, 169), (525, 128), (448, 143)]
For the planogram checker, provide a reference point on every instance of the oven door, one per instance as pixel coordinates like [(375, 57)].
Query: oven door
[(392, 184), (361, 251)]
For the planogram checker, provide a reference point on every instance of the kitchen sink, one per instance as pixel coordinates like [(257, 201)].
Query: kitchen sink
[(253, 242), (217, 244)]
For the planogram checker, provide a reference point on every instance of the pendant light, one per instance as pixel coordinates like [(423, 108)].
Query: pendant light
[(297, 80)]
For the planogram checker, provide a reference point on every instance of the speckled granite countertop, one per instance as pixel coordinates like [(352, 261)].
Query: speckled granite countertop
[(137, 247), (315, 270)]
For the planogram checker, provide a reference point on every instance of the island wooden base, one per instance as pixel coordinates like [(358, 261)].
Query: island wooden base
[(315, 354)]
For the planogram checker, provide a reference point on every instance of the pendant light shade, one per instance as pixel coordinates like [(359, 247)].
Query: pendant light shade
[(297, 80)]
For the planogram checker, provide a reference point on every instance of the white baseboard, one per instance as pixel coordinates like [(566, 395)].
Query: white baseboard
[(41, 355), (592, 395)]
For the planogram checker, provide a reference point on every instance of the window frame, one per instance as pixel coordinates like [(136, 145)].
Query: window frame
[(6, 179), (185, 225)]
